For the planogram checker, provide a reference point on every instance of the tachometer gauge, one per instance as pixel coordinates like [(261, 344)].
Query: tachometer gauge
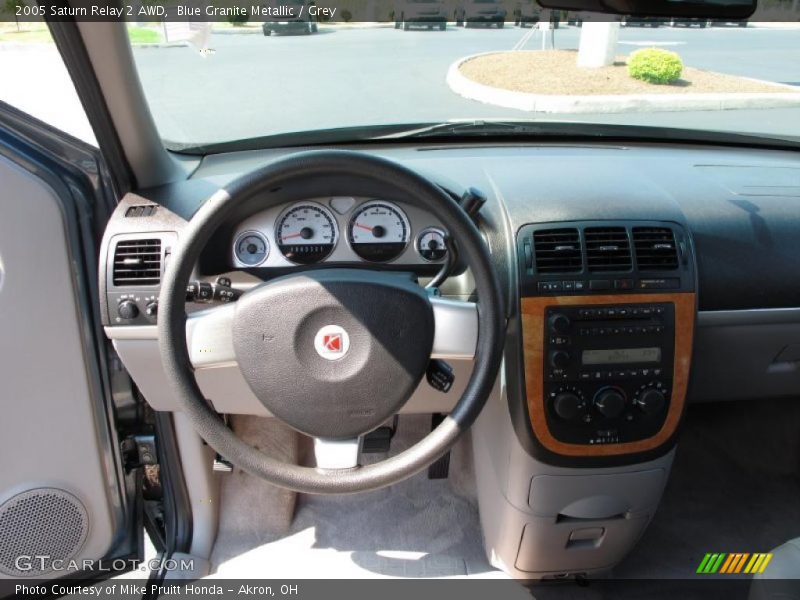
[(306, 233), (431, 245), (251, 248), (379, 231)]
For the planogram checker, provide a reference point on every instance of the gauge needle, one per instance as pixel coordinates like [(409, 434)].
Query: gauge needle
[(294, 235), (364, 227)]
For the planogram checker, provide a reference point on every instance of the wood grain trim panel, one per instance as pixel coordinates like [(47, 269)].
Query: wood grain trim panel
[(533, 331)]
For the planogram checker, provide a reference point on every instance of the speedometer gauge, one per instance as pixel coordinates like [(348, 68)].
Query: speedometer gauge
[(306, 233), (379, 231)]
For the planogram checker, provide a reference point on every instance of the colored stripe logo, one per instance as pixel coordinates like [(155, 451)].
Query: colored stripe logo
[(733, 563)]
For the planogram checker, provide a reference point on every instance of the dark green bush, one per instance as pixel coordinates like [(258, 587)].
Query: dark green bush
[(655, 65)]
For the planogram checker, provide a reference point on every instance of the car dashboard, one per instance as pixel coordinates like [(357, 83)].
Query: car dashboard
[(638, 278)]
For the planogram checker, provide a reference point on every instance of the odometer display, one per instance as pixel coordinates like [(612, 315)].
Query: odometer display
[(306, 233), (379, 231)]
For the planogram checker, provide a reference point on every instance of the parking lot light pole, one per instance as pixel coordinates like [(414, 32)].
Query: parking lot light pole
[(598, 46)]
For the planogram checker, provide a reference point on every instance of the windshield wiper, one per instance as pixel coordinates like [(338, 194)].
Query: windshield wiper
[(580, 131), (476, 127), (522, 131)]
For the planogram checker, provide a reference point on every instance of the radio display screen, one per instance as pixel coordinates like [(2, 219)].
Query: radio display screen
[(621, 356)]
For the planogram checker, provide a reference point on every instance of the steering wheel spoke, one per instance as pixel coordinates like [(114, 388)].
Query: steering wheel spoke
[(209, 337), (337, 454), (456, 334)]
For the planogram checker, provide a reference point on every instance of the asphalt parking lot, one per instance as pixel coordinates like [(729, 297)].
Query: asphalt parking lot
[(253, 85)]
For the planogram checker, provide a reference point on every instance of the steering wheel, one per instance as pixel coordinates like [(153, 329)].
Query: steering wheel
[(331, 352)]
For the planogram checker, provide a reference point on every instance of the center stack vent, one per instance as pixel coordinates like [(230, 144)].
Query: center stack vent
[(585, 257)]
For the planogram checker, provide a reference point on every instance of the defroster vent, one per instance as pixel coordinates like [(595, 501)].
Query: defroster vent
[(137, 262)]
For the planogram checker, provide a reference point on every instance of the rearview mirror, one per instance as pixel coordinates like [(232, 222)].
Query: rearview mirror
[(732, 10)]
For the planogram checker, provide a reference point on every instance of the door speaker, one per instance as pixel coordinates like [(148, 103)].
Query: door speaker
[(42, 522)]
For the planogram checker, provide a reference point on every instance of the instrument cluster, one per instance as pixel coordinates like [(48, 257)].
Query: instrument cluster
[(339, 229)]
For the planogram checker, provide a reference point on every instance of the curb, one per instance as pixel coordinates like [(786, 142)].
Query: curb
[(467, 88), (8, 46)]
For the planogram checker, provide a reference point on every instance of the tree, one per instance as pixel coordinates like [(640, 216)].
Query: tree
[(12, 6)]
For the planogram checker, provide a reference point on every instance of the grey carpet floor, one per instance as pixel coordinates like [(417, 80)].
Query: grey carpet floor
[(418, 528)]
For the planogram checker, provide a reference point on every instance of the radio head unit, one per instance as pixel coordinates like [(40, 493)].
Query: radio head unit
[(608, 371)]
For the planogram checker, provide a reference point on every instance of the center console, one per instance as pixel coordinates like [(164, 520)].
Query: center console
[(580, 450), (607, 347)]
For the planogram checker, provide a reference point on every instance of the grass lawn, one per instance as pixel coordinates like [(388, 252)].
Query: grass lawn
[(39, 33), (27, 32), (145, 35)]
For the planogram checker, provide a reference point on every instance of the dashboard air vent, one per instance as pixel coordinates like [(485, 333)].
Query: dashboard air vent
[(137, 262), (558, 251), (655, 249), (607, 249), (141, 210)]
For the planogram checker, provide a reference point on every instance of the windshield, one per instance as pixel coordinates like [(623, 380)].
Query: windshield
[(418, 62)]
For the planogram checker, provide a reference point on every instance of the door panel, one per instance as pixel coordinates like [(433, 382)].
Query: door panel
[(61, 484)]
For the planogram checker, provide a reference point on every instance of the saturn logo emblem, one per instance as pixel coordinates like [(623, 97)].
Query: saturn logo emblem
[(332, 342)]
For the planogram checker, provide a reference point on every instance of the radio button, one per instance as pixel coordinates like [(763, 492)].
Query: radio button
[(559, 359), (559, 323), (600, 284)]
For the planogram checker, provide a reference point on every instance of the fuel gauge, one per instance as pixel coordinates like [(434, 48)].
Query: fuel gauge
[(251, 248), (431, 244)]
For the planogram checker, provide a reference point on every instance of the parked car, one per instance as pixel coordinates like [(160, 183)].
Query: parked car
[(689, 22), (420, 13), (488, 12), (293, 17), (577, 18), (530, 13), (721, 23), (628, 21)]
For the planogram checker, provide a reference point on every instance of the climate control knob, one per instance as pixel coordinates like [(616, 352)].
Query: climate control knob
[(609, 402), (651, 401), (568, 406), (151, 310), (559, 323), (127, 309)]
